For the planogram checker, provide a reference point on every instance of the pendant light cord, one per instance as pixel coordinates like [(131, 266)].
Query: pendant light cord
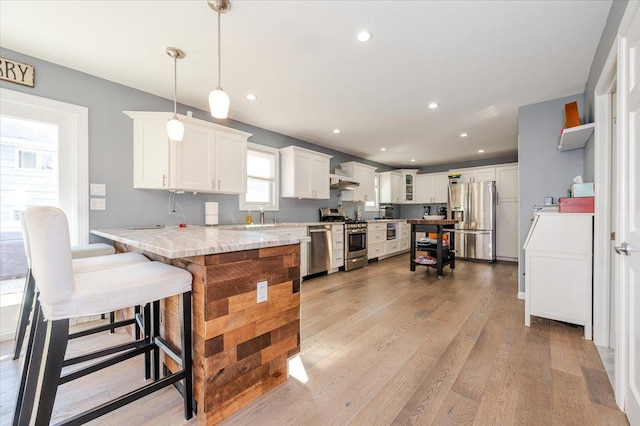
[(175, 86), (219, 53)]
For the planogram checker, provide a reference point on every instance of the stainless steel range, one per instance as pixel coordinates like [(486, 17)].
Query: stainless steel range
[(355, 237)]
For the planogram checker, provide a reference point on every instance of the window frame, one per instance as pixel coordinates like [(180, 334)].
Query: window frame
[(275, 205)]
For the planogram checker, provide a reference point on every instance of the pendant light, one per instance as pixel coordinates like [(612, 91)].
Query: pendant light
[(175, 128), (218, 100)]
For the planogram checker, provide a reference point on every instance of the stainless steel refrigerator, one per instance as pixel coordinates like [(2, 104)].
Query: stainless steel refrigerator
[(474, 205)]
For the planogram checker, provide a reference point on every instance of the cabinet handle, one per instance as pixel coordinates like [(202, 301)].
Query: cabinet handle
[(218, 184), (213, 184), (164, 180)]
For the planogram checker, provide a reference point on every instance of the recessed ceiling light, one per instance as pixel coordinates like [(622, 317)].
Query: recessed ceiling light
[(383, 149), (481, 151), (463, 135), (433, 105), (363, 36), (336, 131), (413, 160), (252, 97)]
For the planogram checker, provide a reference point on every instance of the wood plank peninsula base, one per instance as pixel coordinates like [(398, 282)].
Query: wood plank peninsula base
[(241, 347)]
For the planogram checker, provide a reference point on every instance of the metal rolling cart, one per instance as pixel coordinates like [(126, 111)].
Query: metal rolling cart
[(444, 255)]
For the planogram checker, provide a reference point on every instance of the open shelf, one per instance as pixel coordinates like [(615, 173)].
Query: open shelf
[(575, 137)]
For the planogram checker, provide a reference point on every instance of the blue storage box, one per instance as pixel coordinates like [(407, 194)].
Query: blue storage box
[(582, 189)]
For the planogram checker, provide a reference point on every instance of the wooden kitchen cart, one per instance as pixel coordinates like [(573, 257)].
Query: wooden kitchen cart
[(445, 255)]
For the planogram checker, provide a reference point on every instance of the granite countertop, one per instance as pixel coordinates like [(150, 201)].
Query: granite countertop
[(174, 242), (386, 220), (432, 222), (260, 226)]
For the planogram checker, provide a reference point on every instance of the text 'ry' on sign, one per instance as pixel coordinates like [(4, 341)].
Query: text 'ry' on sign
[(17, 72)]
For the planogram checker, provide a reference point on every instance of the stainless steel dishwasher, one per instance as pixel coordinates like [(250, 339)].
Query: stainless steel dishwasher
[(319, 253)]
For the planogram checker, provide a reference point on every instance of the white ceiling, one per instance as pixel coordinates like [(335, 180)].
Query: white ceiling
[(480, 60)]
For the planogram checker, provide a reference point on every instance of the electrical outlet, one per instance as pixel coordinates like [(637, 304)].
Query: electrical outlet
[(98, 204), (262, 291)]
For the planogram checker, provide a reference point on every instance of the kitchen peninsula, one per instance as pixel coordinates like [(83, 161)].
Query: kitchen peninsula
[(240, 347)]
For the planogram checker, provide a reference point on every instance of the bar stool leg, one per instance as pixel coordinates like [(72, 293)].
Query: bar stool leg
[(25, 310), (155, 327), (147, 337), (185, 326), (27, 360)]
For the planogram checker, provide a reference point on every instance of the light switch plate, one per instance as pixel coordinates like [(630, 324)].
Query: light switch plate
[(262, 291), (98, 204), (98, 189)]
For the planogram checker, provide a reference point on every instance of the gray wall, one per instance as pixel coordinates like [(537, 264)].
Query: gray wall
[(111, 151), (543, 171)]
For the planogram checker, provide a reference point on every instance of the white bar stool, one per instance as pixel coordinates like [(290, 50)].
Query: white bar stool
[(87, 257), (64, 295)]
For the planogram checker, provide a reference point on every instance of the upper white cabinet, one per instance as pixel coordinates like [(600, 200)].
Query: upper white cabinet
[(398, 186), (431, 188), (365, 175), (507, 181), (304, 173), (476, 174), (390, 187), (210, 158)]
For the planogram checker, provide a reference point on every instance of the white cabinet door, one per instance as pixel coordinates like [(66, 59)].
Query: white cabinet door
[(230, 163), (424, 188), (150, 154), (441, 188), (507, 182), (321, 178), (386, 188), (192, 160), (397, 188), (304, 173), (484, 175), (507, 230), (366, 176)]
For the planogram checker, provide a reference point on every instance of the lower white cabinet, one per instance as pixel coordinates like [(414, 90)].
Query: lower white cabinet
[(375, 250), (337, 246), (379, 247)]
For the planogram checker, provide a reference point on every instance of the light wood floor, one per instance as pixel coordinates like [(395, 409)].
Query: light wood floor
[(382, 345)]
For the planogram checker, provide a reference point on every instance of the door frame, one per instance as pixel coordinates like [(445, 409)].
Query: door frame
[(78, 176), (610, 76)]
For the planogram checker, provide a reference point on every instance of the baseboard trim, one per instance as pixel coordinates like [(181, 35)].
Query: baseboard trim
[(521, 295)]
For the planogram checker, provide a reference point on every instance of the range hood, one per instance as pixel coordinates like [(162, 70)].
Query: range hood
[(342, 183)]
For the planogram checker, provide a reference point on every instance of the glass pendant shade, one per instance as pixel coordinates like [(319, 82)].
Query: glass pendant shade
[(219, 103), (175, 129)]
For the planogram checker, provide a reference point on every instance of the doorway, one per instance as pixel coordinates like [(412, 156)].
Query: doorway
[(43, 161)]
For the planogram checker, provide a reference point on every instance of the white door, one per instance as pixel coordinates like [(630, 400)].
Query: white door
[(628, 243), (193, 160), (231, 163), (321, 178)]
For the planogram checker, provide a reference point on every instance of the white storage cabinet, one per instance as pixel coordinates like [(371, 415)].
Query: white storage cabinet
[(507, 212), (558, 269), (337, 247), (365, 175)]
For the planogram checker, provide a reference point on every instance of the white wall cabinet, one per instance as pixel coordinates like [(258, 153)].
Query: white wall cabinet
[(407, 192), (476, 174), (304, 173), (390, 186), (210, 158), (365, 175), (431, 188)]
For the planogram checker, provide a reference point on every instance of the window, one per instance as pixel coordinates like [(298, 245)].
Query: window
[(374, 205), (263, 169), (26, 160)]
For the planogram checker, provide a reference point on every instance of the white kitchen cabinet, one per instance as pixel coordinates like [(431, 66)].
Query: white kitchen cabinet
[(476, 174), (210, 158), (378, 245), (507, 181), (431, 188), (304, 173), (390, 186), (507, 230), (365, 175), (507, 212), (407, 192), (558, 269), (337, 246)]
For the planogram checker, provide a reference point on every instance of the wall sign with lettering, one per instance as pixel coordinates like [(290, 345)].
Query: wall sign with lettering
[(17, 72)]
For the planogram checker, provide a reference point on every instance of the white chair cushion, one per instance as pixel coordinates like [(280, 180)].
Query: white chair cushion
[(90, 264), (91, 250), (118, 288)]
